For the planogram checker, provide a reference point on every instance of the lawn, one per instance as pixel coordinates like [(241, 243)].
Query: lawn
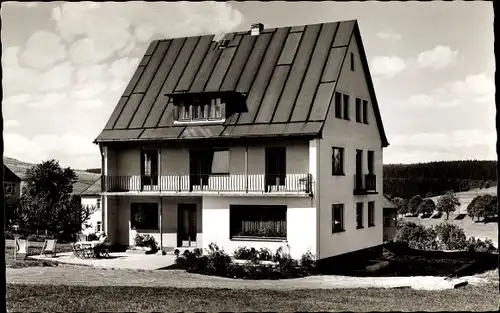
[(51, 298), (34, 248)]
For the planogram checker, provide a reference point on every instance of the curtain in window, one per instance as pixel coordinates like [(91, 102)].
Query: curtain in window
[(220, 163)]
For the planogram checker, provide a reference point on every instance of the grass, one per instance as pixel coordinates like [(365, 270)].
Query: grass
[(33, 249), (51, 298)]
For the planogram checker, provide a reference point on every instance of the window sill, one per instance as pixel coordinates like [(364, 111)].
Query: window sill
[(359, 227), (338, 231), (373, 225), (199, 122), (338, 174), (251, 238)]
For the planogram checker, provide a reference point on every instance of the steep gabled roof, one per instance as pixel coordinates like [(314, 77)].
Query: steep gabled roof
[(288, 76), (9, 176)]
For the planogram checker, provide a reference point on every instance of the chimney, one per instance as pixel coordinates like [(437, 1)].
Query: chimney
[(255, 29)]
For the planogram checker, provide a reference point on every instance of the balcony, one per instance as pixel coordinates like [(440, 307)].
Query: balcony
[(365, 184), (261, 183)]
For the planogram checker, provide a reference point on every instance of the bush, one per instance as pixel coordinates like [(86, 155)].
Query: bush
[(307, 260), (145, 241), (478, 245), (265, 254), (417, 236), (244, 253), (286, 265), (177, 252), (451, 237), (92, 236), (217, 260), (8, 235)]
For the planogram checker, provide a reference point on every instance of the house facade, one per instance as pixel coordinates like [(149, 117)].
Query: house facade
[(11, 186), (266, 138), (91, 197)]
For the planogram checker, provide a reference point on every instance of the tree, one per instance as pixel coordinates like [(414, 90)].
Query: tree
[(484, 206), (402, 205), (46, 201), (448, 203), (427, 207), (414, 203), (474, 209)]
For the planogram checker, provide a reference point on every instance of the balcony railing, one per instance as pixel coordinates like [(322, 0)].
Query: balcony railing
[(365, 184), (288, 183)]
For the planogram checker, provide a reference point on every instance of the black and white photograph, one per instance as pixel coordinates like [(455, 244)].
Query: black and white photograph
[(245, 156)]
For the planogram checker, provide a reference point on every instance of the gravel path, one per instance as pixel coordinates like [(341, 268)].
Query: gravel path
[(181, 279)]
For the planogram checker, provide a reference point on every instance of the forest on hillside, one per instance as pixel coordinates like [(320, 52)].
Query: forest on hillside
[(434, 178)]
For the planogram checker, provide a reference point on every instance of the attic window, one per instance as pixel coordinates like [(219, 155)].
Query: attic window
[(201, 110)]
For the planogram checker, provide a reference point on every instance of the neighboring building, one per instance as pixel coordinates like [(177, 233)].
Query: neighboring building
[(91, 197), (265, 136), (390, 218), (11, 186)]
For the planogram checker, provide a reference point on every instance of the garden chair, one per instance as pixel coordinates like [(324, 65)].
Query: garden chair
[(77, 252), (49, 247), (21, 248)]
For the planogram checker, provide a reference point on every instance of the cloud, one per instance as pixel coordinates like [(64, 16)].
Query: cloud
[(11, 123), (47, 100), (478, 88), (438, 58), (65, 148), (387, 67), (15, 100), (89, 89), (96, 32), (387, 35), (43, 50), (90, 103)]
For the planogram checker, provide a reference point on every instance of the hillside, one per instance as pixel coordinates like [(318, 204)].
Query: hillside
[(434, 178), (85, 179)]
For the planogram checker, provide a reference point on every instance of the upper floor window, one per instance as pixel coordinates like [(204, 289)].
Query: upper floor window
[(371, 213), (371, 157), (98, 204), (342, 106), (201, 110), (358, 110), (338, 105), (346, 107), (337, 161), (365, 111), (337, 218), (9, 188), (359, 215)]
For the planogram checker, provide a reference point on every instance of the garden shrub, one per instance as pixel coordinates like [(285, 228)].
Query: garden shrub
[(217, 260), (8, 235), (265, 254), (244, 253), (92, 237), (417, 236), (307, 260), (450, 237), (145, 241), (478, 245)]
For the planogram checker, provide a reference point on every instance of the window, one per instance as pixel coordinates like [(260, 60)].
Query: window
[(346, 107), (257, 221), (358, 110), (371, 214), (352, 61), (98, 204), (365, 111), (144, 215), (338, 105), (9, 188), (220, 162), (337, 218), (337, 161), (370, 161), (359, 215), (201, 110), (149, 169), (98, 227)]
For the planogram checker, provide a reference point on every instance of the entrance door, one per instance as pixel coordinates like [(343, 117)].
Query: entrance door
[(275, 167), (186, 225)]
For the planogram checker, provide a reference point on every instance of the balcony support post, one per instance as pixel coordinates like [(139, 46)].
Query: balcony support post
[(159, 170), (161, 224), (246, 168)]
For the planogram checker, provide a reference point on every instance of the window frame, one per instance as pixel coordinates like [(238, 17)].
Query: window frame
[(98, 204), (345, 107), (213, 110), (7, 185), (358, 111), (341, 228), (365, 111), (98, 226), (338, 105), (342, 162), (238, 214), (370, 160), (359, 215), (142, 206), (371, 214)]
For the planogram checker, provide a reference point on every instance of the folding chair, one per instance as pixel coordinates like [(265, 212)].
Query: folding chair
[(77, 252), (49, 247)]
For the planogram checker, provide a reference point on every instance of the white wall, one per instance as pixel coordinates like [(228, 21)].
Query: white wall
[(95, 217), (339, 189), (301, 223)]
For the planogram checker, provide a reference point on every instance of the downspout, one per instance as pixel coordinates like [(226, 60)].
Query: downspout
[(246, 168), (317, 196), (161, 200)]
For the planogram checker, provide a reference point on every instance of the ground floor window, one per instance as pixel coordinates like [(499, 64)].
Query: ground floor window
[(98, 227), (359, 215), (337, 218), (258, 221), (144, 215)]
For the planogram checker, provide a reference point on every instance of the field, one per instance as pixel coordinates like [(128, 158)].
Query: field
[(52, 298), (85, 179)]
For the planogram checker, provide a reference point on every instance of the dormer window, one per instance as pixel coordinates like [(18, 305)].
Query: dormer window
[(201, 110), (208, 107)]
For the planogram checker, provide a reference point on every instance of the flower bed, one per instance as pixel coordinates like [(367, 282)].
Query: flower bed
[(247, 263)]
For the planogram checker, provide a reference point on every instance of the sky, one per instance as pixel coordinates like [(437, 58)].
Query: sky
[(65, 65)]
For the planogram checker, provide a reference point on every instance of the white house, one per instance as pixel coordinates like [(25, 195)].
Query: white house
[(91, 197), (266, 137)]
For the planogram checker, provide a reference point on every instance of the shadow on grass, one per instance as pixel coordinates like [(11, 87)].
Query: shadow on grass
[(460, 217)]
